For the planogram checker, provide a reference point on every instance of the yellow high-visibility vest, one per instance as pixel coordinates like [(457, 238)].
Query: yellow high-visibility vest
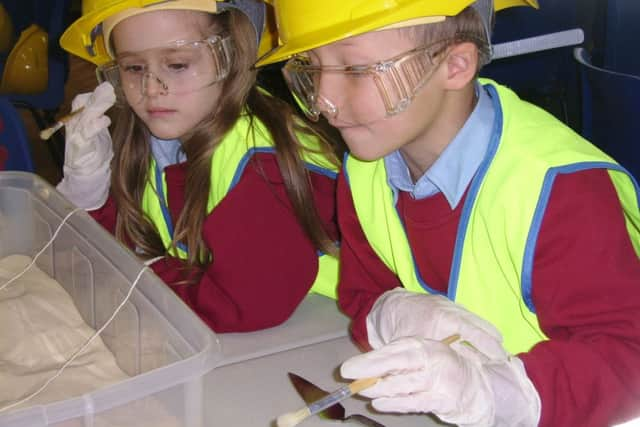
[(495, 245), (227, 165)]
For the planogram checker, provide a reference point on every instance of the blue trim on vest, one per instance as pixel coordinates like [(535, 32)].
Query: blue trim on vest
[(254, 150), (165, 209), (474, 188), (541, 207), (320, 170), (344, 167)]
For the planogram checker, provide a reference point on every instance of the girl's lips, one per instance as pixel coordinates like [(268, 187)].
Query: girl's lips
[(159, 111)]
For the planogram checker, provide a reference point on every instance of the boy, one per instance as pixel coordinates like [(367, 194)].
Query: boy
[(456, 188)]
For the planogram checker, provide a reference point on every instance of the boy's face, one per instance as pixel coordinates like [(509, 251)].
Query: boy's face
[(358, 109)]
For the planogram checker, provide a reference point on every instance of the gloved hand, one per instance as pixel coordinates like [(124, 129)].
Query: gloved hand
[(400, 313), (421, 375), (88, 150)]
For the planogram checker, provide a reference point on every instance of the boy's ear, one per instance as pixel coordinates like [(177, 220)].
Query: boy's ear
[(461, 65)]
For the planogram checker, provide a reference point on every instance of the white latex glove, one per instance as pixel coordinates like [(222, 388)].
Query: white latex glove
[(422, 376), (88, 150), (400, 313)]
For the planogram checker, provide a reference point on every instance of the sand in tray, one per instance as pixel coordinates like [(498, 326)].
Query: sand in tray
[(41, 328)]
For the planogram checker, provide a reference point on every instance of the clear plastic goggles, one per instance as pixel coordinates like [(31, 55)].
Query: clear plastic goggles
[(178, 68), (345, 92)]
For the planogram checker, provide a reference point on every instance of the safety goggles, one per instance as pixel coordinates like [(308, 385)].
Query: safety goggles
[(178, 68), (345, 92)]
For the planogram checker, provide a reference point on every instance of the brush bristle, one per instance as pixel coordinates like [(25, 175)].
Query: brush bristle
[(291, 419), (46, 134)]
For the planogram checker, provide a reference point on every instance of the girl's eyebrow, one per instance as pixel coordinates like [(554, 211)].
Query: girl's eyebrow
[(163, 50)]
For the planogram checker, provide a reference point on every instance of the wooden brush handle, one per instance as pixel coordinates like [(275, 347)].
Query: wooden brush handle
[(65, 119), (450, 339), (358, 385)]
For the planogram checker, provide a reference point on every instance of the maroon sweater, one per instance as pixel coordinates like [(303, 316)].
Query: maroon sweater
[(263, 263), (586, 290)]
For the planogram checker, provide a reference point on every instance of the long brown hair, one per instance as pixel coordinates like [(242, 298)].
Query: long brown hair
[(239, 94)]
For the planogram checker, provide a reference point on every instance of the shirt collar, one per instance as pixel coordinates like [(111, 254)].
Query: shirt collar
[(453, 170), (166, 152)]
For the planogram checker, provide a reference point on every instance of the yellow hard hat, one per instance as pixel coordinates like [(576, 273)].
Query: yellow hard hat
[(6, 30), (269, 39), (27, 67), (306, 24), (86, 36)]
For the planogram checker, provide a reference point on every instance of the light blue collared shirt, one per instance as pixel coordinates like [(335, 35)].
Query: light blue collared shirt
[(453, 170), (166, 152)]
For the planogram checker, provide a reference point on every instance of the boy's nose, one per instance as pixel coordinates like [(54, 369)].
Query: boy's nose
[(331, 88), (152, 85), (326, 107)]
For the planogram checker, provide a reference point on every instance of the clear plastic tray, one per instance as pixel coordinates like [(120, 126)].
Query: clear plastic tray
[(156, 339)]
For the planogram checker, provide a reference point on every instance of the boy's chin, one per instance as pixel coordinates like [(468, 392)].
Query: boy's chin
[(366, 153)]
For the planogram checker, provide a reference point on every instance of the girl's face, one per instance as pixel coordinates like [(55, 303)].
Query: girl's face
[(160, 69)]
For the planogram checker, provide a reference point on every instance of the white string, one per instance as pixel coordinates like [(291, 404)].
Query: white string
[(90, 340), (81, 349), (33, 261), (152, 260)]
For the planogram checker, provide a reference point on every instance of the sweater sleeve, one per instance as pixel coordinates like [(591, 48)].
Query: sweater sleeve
[(363, 276), (106, 215), (585, 290), (263, 264)]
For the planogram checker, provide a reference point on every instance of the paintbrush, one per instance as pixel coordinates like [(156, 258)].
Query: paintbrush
[(46, 133), (291, 419), (311, 392)]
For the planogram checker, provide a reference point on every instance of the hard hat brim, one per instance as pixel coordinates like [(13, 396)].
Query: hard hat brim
[(327, 35), (77, 38)]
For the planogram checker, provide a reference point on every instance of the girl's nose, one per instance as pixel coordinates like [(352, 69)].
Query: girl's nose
[(153, 86)]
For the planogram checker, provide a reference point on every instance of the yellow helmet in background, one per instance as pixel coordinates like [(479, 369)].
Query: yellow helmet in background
[(306, 24), (6, 30), (88, 36), (27, 67)]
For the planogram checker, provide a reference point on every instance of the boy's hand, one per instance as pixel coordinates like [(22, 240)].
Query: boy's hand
[(88, 149), (400, 313), (420, 376)]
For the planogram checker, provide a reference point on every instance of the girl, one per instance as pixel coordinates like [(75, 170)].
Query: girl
[(216, 183)]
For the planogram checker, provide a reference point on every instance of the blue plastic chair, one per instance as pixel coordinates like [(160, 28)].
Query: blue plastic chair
[(15, 152), (546, 78), (622, 36), (51, 15), (610, 110)]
